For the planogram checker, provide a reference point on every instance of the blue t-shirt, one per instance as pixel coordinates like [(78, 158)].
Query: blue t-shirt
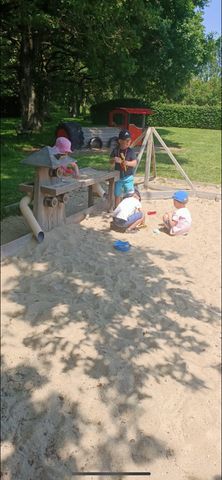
[(129, 155)]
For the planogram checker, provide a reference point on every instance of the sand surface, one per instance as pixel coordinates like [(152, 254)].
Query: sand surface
[(110, 360), (15, 226)]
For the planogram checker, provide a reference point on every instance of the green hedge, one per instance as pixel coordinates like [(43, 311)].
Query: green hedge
[(186, 116), (99, 113), (166, 115)]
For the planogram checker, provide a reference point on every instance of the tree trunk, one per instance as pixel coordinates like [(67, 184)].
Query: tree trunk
[(78, 104), (72, 109), (74, 105), (31, 97)]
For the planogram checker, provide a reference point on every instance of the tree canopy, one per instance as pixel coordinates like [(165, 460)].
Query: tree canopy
[(83, 51)]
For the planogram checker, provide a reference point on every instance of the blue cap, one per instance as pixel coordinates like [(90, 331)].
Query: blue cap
[(180, 196)]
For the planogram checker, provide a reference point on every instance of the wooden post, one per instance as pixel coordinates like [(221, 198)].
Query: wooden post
[(153, 157), (41, 174), (177, 165), (111, 194), (148, 160), (140, 154), (47, 217), (90, 195)]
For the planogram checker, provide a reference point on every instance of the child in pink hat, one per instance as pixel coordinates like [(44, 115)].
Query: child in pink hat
[(62, 148)]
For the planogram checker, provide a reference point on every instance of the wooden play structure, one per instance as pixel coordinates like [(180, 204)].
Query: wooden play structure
[(147, 139), (50, 191)]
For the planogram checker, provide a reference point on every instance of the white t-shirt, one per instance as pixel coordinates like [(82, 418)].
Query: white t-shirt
[(183, 217), (127, 207)]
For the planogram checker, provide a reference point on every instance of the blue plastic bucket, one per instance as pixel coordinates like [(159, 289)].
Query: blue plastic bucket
[(121, 246)]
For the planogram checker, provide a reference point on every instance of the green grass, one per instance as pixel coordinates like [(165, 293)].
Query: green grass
[(197, 151)]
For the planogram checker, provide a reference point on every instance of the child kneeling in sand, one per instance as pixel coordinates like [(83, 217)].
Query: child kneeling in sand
[(128, 215), (179, 222)]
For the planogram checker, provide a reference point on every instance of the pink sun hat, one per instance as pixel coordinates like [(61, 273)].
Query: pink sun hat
[(62, 145)]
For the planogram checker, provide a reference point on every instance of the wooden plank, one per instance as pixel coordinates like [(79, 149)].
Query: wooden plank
[(59, 188), (209, 195), (90, 196), (56, 216), (79, 216), (111, 195), (156, 195), (98, 177), (61, 214), (157, 187), (39, 210), (91, 178), (148, 160), (168, 194), (26, 187), (177, 165), (140, 154), (153, 159), (12, 248)]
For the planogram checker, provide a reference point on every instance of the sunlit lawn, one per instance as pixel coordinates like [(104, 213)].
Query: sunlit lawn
[(198, 152)]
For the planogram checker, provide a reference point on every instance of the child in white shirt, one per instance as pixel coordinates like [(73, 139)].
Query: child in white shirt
[(128, 215), (179, 222)]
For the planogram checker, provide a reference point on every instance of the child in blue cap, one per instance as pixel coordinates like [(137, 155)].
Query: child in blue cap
[(179, 222)]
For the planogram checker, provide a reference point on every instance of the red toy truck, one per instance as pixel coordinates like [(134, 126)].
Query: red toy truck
[(133, 119)]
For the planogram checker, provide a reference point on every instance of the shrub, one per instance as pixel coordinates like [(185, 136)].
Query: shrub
[(186, 116), (10, 107)]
